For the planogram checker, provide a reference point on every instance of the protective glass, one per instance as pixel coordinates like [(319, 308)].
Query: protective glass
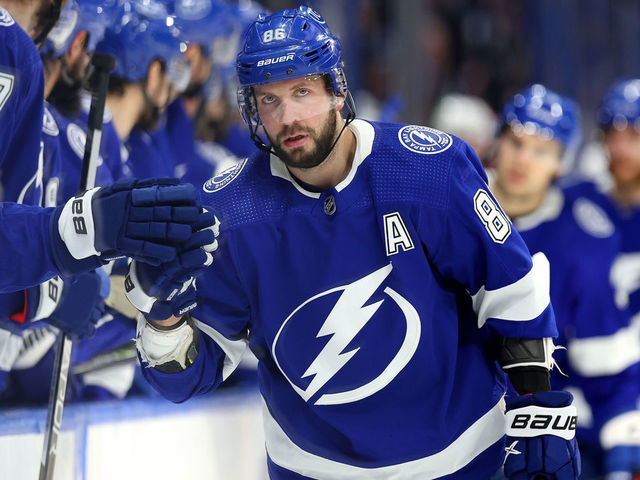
[(288, 101)]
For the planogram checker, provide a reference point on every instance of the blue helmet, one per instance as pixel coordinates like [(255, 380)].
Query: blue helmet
[(620, 106), (142, 32), (203, 21), (288, 44), (539, 111), (92, 16)]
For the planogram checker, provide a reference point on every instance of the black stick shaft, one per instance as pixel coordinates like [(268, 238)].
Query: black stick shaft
[(103, 65)]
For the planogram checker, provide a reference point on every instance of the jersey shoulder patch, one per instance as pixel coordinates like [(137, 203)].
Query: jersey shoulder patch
[(424, 140), (49, 125), (6, 20), (224, 178), (592, 219)]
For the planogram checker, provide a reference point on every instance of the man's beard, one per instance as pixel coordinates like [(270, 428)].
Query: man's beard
[(149, 119), (324, 142), (66, 98), (66, 94)]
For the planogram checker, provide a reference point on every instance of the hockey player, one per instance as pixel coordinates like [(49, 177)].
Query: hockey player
[(365, 265), (581, 242), (66, 57), (149, 66), (619, 118), (40, 243), (21, 96)]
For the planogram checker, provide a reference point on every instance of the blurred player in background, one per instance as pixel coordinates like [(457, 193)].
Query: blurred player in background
[(581, 243), (149, 66), (82, 234), (371, 272), (619, 195), (619, 118), (66, 57)]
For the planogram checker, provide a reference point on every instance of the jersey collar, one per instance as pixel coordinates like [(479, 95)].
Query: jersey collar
[(549, 210), (365, 135)]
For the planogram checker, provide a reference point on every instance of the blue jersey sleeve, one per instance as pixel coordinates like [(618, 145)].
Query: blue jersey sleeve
[(25, 246), (21, 110), (222, 319), (472, 242)]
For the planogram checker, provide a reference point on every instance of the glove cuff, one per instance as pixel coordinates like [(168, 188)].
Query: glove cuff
[(66, 263), (46, 299), (76, 227), (134, 291)]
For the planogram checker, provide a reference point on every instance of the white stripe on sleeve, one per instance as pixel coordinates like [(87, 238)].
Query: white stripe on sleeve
[(233, 349), (520, 301), (607, 354)]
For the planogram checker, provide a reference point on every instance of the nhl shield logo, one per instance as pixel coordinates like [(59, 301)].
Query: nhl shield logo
[(224, 178), (424, 140)]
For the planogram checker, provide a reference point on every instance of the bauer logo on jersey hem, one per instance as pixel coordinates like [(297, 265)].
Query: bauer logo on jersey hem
[(424, 140), (221, 180)]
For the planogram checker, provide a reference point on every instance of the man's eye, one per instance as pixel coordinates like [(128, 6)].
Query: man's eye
[(302, 92), (268, 99)]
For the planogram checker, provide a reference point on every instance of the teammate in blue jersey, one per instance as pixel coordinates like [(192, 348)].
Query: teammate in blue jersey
[(619, 118), (21, 99), (581, 243), (149, 68), (65, 58), (372, 273), (37, 243)]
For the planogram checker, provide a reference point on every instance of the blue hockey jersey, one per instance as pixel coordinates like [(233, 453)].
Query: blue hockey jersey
[(72, 140), (625, 273), (23, 228), (367, 307), (178, 131), (148, 156), (601, 361), (51, 157), (21, 100)]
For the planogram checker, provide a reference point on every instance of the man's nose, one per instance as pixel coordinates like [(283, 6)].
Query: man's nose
[(288, 112)]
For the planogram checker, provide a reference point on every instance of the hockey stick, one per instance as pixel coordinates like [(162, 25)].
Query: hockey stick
[(103, 65), (126, 353)]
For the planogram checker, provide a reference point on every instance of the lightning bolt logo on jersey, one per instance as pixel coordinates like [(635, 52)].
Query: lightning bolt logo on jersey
[(351, 315)]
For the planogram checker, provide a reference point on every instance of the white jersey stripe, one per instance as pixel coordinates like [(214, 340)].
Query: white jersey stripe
[(607, 354), (233, 349), (520, 301), (487, 430)]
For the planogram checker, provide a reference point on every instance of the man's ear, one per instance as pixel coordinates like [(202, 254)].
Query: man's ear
[(78, 46), (154, 76)]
